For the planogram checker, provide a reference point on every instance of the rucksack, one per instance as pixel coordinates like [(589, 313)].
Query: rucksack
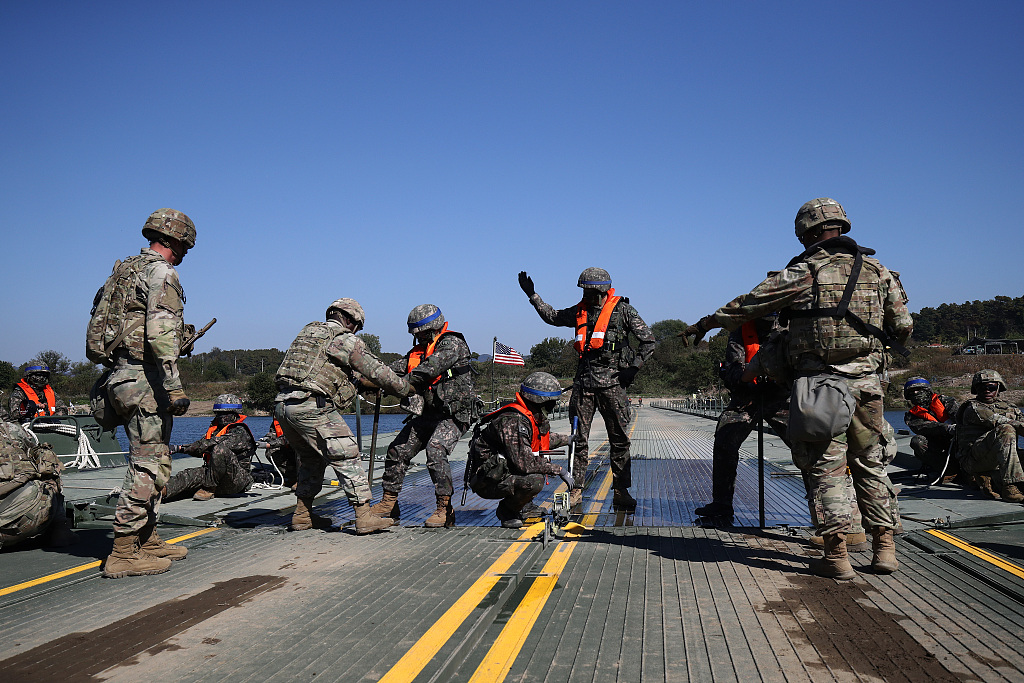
[(109, 308)]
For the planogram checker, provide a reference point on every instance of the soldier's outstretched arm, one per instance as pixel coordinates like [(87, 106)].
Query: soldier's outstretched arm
[(373, 370), (643, 334), (563, 318)]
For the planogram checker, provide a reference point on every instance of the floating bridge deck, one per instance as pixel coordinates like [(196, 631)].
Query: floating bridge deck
[(647, 596)]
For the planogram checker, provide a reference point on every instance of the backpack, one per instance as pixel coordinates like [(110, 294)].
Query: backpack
[(109, 307)]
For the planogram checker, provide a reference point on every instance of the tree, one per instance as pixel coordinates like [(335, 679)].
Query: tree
[(58, 363), (554, 355), (372, 342), (666, 329), (9, 376), (260, 391)]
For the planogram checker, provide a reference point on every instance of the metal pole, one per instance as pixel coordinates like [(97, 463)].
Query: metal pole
[(493, 343), (373, 437), (760, 463), (359, 423)]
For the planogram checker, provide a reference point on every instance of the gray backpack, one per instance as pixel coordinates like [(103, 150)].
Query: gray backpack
[(820, 408)]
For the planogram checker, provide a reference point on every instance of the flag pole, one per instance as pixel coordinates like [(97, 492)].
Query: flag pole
[(493, 348)]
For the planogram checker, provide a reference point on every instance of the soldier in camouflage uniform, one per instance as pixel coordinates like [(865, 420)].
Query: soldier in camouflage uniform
[(146, 392), (506, 460), (439, 367), (315, 382), (986, 432), (607, 366), (33, 396), (30, 494), (812, 293), (932, 418), (228, 448), (281, 453)]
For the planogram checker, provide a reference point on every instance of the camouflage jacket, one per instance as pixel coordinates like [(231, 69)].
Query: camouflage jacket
[(238, 440), (931, 429), (273, 442), (599, 368), (976, 418), (510, 434), (18, 399), (795, 287), (742, 393), (21, 460), (454, 394)]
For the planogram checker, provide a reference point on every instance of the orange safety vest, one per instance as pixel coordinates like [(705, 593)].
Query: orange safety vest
[(751, 343), (224, 430), (277, 428), (49, 408), (600, 327), (538, 442), (420, 353), (936, 411)]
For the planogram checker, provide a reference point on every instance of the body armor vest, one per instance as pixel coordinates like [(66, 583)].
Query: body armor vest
[(306, 364), (120, 306)]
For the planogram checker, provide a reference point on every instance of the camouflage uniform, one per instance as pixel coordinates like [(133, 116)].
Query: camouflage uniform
[(448, 410), (822, 345), (145, 372), (18, 401), (283, 455), (315, 382), (226, 471), (987, 437), (30, 492), (597, 385), (933, 438)]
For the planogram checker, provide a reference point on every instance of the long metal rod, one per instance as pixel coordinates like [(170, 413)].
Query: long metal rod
[(760, 464), (359, 423), (373, 437)]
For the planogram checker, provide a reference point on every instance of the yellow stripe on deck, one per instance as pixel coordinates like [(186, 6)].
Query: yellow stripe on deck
[(1005, 565)]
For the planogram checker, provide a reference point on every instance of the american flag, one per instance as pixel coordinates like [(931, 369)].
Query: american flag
[(506, 355)]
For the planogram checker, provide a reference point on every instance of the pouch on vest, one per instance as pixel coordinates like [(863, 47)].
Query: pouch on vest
[(491, 472), (820, 408), (102, 407)]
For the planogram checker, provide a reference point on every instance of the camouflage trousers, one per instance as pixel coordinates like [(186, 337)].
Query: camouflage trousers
[(134, 389), (28, 510), (438, 435), (995, 451), (866, 453), (933, 453), (734, 426), (320, 437), (222, 474), (285, 459), (515, 491), (613, 405)]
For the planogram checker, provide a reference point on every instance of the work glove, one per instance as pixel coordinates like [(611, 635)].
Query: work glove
[(564, 475), (526, 282), (29, 409), (951, 430), (174, 449), (179, 402), (697, 331), (627, 375)]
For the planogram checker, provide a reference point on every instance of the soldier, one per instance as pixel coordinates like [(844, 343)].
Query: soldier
[(607, 366), (315, 382), (146, 391), (30, 493), (986, 434), (227, 448), (440, 368), (281, 453), (506, 457), (932, 418), (749, 402), (844, 309), (33, 396)]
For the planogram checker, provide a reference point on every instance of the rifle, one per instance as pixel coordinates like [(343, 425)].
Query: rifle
[(188, 344)]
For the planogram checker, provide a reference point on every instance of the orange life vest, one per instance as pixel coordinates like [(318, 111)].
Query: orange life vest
[(277, 428), (600, 327), (224, 430), (538, 442), (420, 353), (751, 343), (49, 408), (936, 411)]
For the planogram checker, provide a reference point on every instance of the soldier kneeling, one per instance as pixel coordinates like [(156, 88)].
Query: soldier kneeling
[(505, 453)]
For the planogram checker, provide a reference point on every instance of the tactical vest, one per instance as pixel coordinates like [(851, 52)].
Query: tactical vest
[(119, 308), (306, 364)]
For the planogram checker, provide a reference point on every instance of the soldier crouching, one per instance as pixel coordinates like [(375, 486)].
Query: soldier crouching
[(986, 434)]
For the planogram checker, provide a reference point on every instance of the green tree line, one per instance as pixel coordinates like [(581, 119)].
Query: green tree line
[(997, 318)]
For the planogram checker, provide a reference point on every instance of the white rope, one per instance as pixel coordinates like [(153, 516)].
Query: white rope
[(85, 457)]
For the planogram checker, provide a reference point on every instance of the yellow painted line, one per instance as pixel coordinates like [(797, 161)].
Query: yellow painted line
[(978, 552), (413, 661), (82, 567)]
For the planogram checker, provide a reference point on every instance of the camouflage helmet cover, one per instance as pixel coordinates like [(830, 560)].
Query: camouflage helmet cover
[(595, 278), (818, 211), (915, 384), (425, 317), (540, 387), (170, 223), (985, 376), (351, 308), (227, 403)]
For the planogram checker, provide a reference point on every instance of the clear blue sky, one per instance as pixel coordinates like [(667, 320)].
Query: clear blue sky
[(410, 152)]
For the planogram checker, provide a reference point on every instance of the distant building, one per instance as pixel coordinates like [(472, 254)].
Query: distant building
[(980, 347)]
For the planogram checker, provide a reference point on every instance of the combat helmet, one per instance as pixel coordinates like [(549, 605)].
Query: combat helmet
[(425, 317), (349, 307), (37, 370), (170, 223), (595, 278), (915, 384), (540, 387), (984, 376), (818, 211), (227, 403)]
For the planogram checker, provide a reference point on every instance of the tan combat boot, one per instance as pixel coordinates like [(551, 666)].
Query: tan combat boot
[(126, 559), (444, 515), (836, 563), (575, 498), (150, 543), (202, 494), (301, 518), (984, 482), (1011, 494), (884, 560), (367, 522), (854, 542), (387, 507)]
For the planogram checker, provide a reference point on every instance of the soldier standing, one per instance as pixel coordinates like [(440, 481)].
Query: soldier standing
[(439, 367), (315, 382), (986, 433), (227, 447), (607, 366), (146, 391), (33, 396), (932, 418), (844, 309)]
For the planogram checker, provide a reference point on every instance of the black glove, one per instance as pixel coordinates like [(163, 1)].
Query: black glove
[(564, 475), (951, 429), (703, 326), (526, 282), (627, 375), (174, 449), (179, 402), (29, 408)]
